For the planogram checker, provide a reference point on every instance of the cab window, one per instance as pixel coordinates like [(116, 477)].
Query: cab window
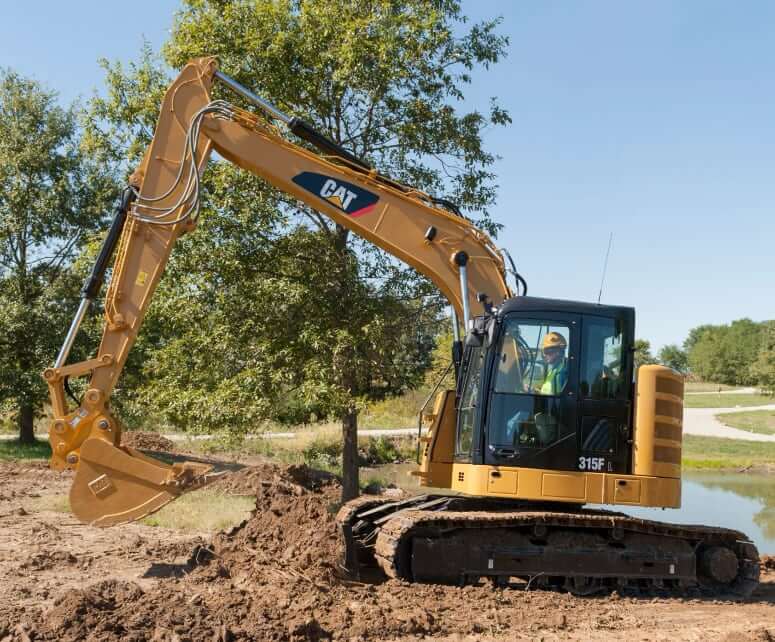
[(533, 358), (468, 402), (602, 359), (530, 381)]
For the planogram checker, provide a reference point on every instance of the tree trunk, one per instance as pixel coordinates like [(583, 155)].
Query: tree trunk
[(26, 423), (350, 479)]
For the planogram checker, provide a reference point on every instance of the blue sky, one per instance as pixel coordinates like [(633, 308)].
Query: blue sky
[(652, 120)]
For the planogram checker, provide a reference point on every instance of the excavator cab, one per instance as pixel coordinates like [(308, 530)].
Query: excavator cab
[(548, 407), (566, 406)]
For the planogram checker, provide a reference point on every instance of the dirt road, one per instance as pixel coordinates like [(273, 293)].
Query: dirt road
[(276, 577)]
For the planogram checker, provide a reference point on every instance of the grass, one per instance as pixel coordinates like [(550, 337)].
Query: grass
[(726, 401), (311, 445), (373, 482), (706, 386), (394, 412), (719, 453), (203, 510), (758, 421), (11, 449), (317, 446)]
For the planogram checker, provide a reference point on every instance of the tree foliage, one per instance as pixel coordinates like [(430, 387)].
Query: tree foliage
[(384, 78), (643, 356), (763, 369), (277, 349), (674, 357), (725, 353), (51, 197)]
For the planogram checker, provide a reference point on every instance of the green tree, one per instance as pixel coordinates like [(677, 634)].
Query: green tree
[(643, 356), (695, 334), (674, 357), (384, 79), (740, 349), (763, 369), (50, 198), (704, 352), (724, 353)]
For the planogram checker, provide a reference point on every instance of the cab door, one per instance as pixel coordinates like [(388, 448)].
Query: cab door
[(532, 411), (605, 404)]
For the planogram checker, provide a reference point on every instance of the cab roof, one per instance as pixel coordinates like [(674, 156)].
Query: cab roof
[(538, 304)]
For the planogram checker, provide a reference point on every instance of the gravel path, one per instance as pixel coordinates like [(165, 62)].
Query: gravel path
[(702, 421)]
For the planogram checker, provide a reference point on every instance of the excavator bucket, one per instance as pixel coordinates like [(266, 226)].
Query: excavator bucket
[(116, 484)]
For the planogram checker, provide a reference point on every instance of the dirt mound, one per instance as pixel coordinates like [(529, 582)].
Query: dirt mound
[(113, 611), (292, 530), (248, 480), (78, 614), (257, 581), (147, 441), (277, 577)]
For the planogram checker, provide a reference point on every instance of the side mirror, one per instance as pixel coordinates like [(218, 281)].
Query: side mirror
[(491, 328), (474, 340), (482, 334)]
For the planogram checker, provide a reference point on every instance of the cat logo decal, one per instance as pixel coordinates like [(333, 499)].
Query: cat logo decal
[(344, 196)]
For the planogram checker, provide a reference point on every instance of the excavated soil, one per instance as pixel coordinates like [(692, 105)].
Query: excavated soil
[(250, 479), (277, 577), (147, 441)]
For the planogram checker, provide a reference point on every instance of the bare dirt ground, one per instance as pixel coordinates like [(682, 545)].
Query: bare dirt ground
[(276, 577)]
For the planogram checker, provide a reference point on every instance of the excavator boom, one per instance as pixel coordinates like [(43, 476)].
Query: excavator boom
[(115, 484)]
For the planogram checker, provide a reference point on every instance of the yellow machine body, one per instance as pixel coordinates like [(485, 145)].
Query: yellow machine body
[(655, 461)]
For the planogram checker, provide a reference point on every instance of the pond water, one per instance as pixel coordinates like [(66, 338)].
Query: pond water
[(743, 501)]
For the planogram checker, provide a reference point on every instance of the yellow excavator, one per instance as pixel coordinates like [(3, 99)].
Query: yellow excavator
[(547, 414)]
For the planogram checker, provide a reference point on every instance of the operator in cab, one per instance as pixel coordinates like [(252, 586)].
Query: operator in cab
[(540, 429), (556, 374)]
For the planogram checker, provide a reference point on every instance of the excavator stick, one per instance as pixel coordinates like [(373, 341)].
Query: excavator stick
[(115, 484)]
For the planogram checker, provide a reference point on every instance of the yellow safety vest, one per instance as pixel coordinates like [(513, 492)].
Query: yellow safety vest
[(551, 385)]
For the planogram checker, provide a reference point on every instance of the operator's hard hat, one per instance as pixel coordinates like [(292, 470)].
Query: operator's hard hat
[(554, 340)]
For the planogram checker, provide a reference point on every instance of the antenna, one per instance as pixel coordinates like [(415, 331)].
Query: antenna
[(605, 267)]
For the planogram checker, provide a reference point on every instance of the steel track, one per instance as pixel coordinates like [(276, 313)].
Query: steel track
[(459, 540)]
